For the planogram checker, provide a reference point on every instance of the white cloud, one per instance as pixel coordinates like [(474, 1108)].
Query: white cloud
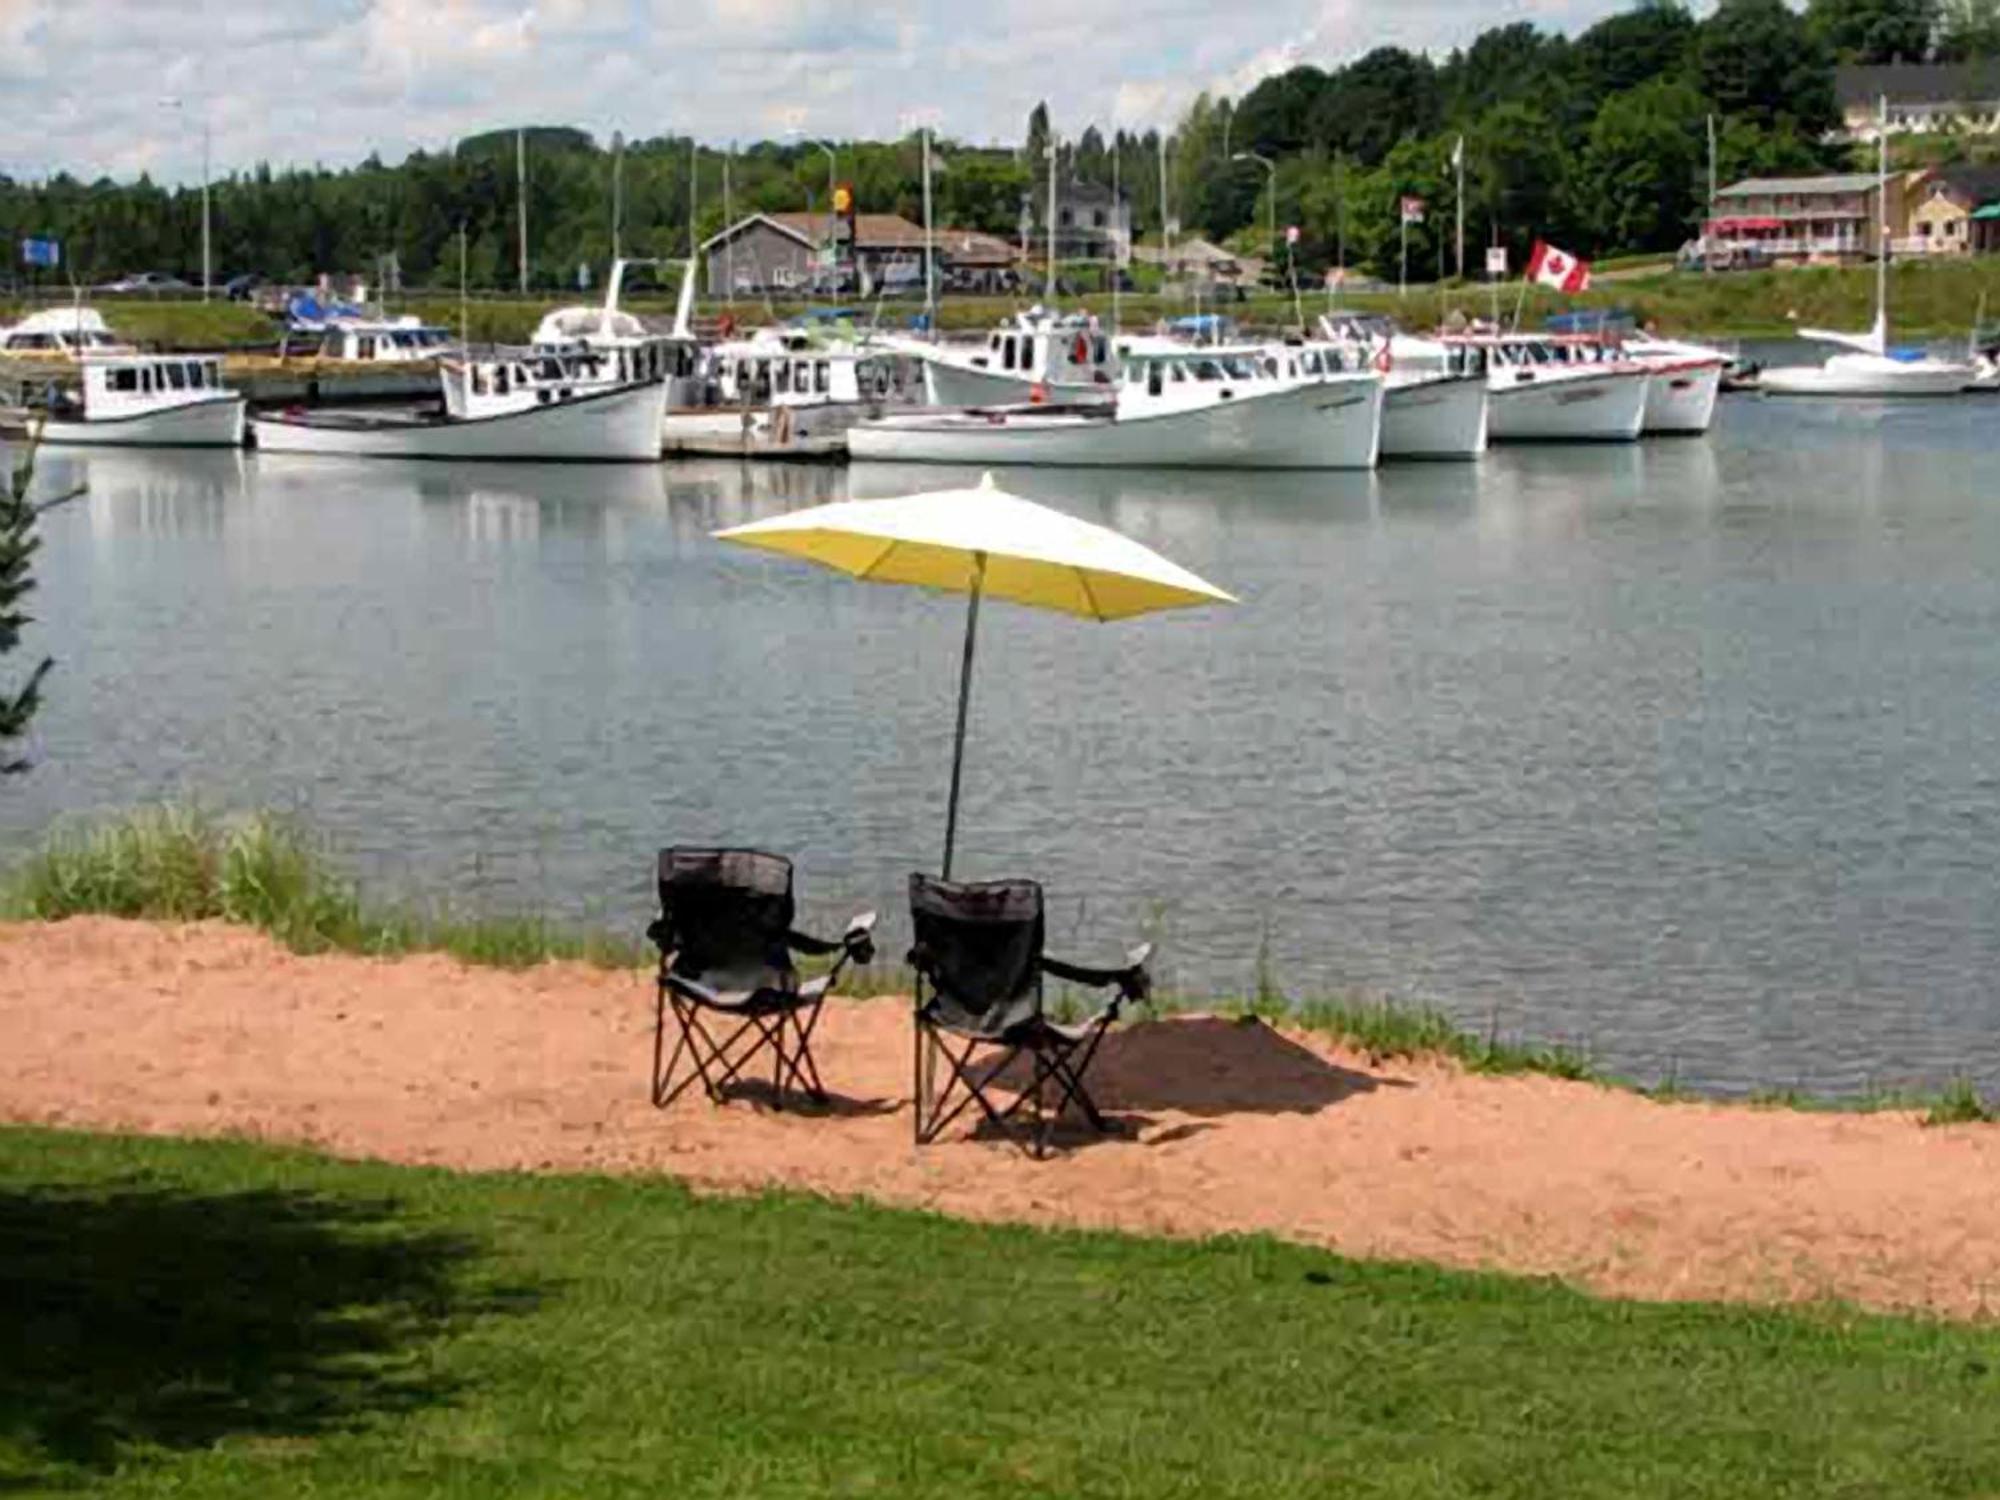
[(332, 80)]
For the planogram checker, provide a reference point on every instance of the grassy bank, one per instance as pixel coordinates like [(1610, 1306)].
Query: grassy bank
[(221, 1319), (1925, 300), (175, 325), (180, 864)]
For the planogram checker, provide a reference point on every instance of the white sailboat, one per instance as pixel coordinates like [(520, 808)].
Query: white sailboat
[(1871, 367), (1176, 407)]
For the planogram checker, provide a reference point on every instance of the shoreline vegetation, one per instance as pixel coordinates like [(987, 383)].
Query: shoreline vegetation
[(177, 863), (1927, 301)]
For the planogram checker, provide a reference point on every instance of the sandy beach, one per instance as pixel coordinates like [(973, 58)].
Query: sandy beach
[(1224, 1126)]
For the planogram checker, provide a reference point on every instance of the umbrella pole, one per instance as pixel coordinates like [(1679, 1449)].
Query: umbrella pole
[(964, 697)]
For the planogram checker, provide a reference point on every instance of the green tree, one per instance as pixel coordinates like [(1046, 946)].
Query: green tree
[(1756, 58), (1873, 31), (1375, 102), (1654, 39), (1037, 145), (18, 544), (1969, 30), (1636, 181), (1517, 174)]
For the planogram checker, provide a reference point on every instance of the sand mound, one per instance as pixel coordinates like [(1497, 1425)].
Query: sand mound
[(207, 1029)]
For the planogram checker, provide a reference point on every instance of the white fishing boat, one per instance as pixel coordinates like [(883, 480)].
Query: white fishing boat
[(1175, 407), (137, 401), (1541, 388), (1038, 356), (794, 389), (60, 332), (1686, 379), (629, 350), (513, 406), (1871, 367), (380, 341), (1434, 394)]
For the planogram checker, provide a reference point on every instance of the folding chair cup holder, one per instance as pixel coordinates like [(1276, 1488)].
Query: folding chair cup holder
[(979, 961), (728, 989)]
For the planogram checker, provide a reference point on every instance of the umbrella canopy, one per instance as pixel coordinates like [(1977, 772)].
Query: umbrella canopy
[(986, 540), (977, 542)]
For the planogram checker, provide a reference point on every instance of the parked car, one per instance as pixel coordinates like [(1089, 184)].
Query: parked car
[(242, 288), (146, 283)]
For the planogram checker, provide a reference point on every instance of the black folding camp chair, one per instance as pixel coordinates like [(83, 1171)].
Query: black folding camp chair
[(979, 965), (726, 944)]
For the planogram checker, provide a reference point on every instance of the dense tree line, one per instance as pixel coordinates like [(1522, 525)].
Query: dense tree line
[(1598, 141)]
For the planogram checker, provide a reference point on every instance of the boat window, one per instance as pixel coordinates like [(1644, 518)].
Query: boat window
[(197, 375), (784, 378), (1100, 351), (1007, 354), (823, 377), (1309, 362), (175, 376), (479, 380), (501, 384), (1154, 377), (1180, 374), (122, 380)]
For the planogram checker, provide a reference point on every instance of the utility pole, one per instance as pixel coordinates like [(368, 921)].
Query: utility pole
[(1053, 152), (1340, 212), (729, 242), (617, 194), (1403, 265), (1458, 161), (694, 186), (521, 199), (1166, 235), (206, 261), (1708, 219), (930, 248), (1117, 269)]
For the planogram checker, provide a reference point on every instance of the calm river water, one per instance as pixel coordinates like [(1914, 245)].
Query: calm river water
[(1687, 753)]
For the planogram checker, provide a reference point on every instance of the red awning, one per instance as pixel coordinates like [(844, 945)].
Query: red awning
[(1739, 226)]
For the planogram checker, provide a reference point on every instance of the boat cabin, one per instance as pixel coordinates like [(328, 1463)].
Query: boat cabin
[(1068, 351), (68, 331), (1183, 376), (515, 380), (376, 342), (787, 368), (117, 386)]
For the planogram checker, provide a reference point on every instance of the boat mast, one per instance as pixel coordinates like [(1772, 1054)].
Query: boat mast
[(1882, 227), (521, 199), (930, 250), (1117, 271)]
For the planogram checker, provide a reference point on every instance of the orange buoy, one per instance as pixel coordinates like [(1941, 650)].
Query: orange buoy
[(1037, 393)]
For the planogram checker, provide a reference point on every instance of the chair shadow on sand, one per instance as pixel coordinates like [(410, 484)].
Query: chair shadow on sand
[(763, 1097), (1210, 1067)]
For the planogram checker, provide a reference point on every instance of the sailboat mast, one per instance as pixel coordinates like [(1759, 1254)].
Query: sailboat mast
[(1882, 226), (1052, 220)]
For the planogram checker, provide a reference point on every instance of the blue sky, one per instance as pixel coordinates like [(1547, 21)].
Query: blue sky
[(85, 81)]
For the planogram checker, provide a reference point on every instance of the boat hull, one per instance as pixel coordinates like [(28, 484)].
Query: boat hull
[(1680, 398), (1867, 375), (1598, 407), (217, 423), (1301, 427), (621, 426), (948, 384), (1442, 417)]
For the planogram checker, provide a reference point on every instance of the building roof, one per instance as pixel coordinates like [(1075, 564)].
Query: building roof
[(871, 231), (1846, 182), (1859, 87), (1976, 183), (968, 247)]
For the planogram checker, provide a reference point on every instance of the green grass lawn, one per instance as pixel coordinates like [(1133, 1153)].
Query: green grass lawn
[(224, 1319)]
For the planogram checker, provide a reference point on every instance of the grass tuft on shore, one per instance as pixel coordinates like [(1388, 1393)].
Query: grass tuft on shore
[(180, 864)]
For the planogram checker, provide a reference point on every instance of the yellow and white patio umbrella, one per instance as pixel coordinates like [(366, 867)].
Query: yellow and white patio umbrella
[(982, 542)]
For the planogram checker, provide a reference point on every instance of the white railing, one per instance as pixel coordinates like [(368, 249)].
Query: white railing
[(1791, 244)]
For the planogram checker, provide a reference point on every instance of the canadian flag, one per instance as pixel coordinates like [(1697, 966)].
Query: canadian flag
[(1558, 268)]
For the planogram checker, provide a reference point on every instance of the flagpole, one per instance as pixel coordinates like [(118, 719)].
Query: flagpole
[(1458, 160), (1403, 273)]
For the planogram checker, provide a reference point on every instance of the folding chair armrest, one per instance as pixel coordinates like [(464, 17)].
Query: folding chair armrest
[(855, 945), (1133, 980)]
